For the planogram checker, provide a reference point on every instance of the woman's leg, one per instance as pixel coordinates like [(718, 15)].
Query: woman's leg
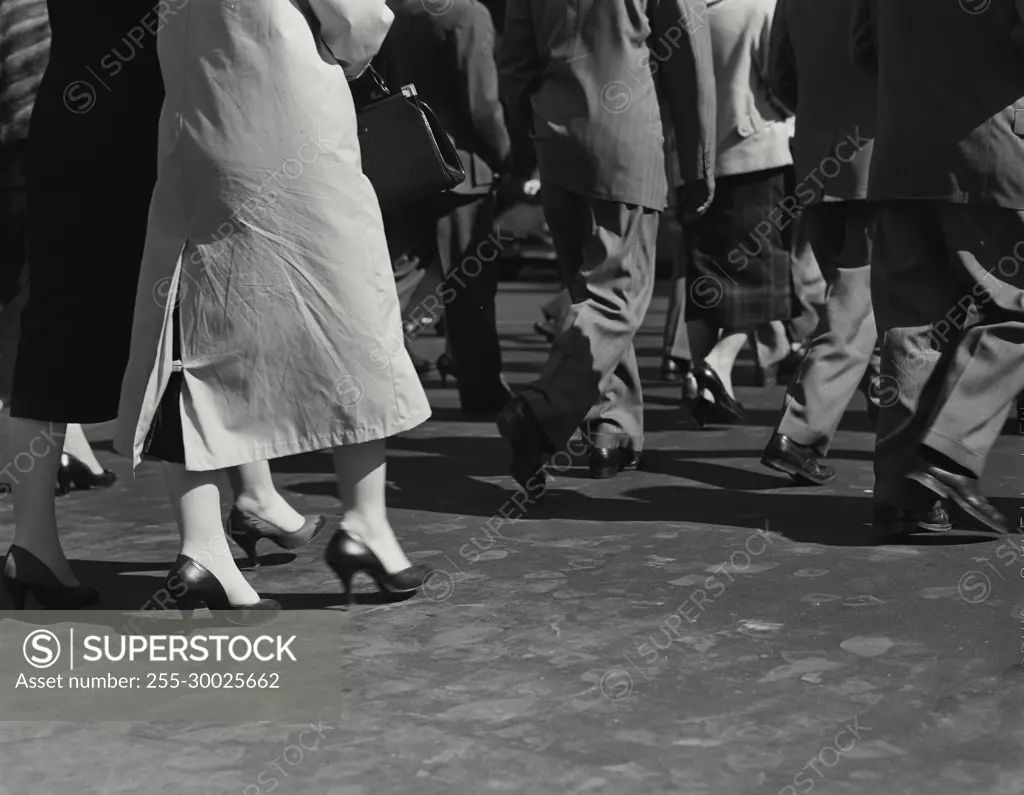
[(254, 490), (703, 338), (195, 497), (77, 446), (722, 357), (34, 457), (362, 479)]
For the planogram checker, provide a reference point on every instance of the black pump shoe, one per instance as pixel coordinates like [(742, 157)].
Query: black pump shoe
[(726, 409), (73, 474), (346, 555), (203, 589), (25, 574), (246, 529)]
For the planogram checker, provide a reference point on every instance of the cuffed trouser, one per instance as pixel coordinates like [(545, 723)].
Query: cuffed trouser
[(606, 252), (809, 283), (841, 353), (948, 292)]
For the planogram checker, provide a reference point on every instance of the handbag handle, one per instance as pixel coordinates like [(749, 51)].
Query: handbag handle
[(378, 81)]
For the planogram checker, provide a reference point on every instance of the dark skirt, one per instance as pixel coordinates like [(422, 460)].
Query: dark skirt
[(91, 167), (738, 266)]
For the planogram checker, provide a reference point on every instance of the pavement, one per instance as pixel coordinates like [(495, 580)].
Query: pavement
[(702, 626)]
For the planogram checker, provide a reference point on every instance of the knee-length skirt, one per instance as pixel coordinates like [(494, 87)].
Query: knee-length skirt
[(738, 267)]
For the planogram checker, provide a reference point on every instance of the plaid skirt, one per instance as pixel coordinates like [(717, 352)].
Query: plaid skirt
[(738, 266)]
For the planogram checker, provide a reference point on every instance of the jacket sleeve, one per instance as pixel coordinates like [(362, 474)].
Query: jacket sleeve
[(688, 79), (353, 30), (474, 54), (862, 35), (519, 64), (782, 62)]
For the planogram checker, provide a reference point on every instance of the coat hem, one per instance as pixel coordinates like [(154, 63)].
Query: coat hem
[(307, 444)]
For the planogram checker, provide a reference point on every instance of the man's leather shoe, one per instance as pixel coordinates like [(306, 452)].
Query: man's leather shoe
[(796, 460), (530, 447), (965, 491), (933, 519), (890, 520), (607, 462)]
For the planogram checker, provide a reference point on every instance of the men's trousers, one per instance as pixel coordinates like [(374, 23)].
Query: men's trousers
[(840, 357), (468, 250), (459, 239), (606, 252), (948, 292), (809, 283), (675, 342)]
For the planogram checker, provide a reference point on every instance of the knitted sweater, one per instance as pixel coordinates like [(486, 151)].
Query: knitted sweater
[(24, 50)]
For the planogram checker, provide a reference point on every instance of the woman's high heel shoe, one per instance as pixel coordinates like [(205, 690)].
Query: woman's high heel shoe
[(25, 574), (726, 409), (445, 368), (347, 556), (247, 529), (73, 474), (203, 589)]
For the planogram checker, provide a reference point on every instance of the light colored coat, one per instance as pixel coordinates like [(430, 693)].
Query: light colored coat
[(752, 133), (290, 325)]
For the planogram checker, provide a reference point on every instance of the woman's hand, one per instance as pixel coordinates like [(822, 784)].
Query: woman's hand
[(353, 30)]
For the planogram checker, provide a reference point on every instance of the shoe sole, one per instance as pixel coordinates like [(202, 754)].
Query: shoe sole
[(610, 472), (937, 487), (797, 474)]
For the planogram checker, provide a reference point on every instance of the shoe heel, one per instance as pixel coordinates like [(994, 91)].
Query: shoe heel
[(247, 542), (345, 574), (17, 592)]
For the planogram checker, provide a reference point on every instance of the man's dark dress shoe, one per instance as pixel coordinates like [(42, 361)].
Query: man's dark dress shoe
[(530, 447), (547, 328), (964, 490), (890, 520), (796, 460), (607, 462)]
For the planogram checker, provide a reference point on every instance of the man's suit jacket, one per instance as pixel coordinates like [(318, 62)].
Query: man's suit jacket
[(812, 73), (950, 122), (450, 58), (581, 75)]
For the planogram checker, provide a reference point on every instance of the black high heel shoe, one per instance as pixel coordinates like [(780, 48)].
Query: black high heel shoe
[(203, 589), (73, 474), (247, 529), (25, 574), (445, 368), (347, 556), (726, 409)]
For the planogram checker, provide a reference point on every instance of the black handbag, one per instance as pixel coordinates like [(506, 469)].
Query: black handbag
[(407, 155)]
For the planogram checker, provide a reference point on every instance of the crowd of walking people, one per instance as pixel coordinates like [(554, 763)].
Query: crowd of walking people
[(846, 180)]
